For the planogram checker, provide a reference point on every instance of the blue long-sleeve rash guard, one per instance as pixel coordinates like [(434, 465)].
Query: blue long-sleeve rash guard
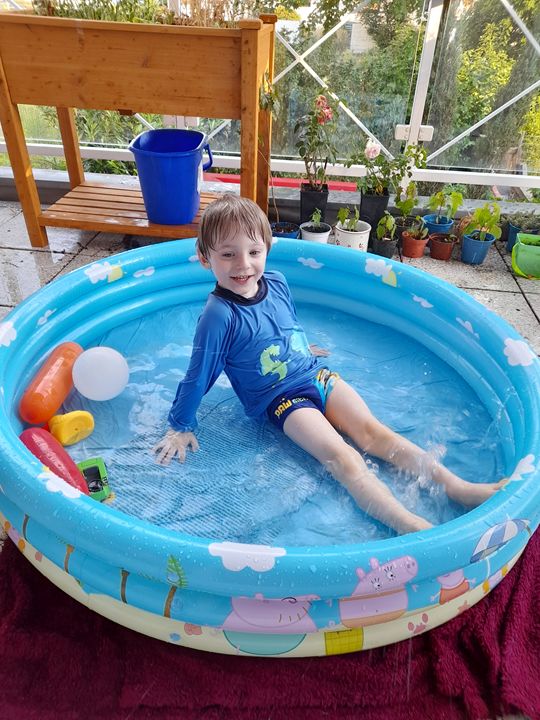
[(257, 342)]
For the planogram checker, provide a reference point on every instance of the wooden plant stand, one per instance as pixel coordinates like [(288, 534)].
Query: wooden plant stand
[(164, 69)]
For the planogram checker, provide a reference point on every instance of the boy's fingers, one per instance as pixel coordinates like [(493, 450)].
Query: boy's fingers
[(194, 444), (163, 458)]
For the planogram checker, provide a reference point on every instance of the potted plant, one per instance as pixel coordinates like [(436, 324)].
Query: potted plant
[(441, 245), (350, 231), (385, 240), (284, 229), (383, 173), (521, 222), (315, 230), (315, 145), (480, 233), (445, 204), (414, 239), (405, 201)]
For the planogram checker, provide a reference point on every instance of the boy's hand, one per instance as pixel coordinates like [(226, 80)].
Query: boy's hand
[(174, 443), (319, 351)]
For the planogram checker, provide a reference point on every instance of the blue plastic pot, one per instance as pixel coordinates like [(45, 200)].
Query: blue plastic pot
[(170, 167), (513, 231), (473, 251), (444, 226), (279, 229)]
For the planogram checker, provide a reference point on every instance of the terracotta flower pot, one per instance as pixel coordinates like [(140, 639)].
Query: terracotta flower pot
[(441, 246), (412, 247)]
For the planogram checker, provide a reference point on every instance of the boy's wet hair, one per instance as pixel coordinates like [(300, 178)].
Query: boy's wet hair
[(229, 215)]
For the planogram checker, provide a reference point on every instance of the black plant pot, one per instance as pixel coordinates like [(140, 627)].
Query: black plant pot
[(372, 209), (311, 200), (385, 248)]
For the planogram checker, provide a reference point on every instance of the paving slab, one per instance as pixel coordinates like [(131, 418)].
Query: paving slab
[(4, 310), (109, 243), (8, 210), (25, 271), (13, 234), (534, 302), (492, 274), (513, 308), (526, 286)]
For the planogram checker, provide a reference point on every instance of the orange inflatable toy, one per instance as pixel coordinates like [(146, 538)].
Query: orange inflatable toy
[(48, 450), (50, 386)]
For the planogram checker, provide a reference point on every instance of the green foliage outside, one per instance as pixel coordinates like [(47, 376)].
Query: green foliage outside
[(484, 70), (482, 61)]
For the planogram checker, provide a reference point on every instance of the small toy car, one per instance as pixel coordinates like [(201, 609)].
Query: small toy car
[(95, 474)]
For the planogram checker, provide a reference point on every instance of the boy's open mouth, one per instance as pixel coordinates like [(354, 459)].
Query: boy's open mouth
[(241, 278)]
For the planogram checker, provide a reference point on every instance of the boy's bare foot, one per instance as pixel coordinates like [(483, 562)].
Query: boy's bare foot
[(472, 494)]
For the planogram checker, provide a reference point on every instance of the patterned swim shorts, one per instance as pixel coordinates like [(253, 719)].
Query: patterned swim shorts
[(313, 395)]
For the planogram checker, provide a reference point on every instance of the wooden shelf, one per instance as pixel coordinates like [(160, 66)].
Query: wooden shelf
[(125, 67), (112, 208)]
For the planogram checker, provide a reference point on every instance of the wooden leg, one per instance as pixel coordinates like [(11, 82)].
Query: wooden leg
[(249, 118), (264, 171), (70, 141), (263, 163), (20, 164)]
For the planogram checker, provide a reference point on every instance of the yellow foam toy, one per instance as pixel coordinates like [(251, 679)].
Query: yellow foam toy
[(72, 427)]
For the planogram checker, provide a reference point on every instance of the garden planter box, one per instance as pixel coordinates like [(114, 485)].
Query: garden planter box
[(171, 70)]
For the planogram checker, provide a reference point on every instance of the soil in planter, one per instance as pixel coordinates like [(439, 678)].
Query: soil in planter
[(315, 228), (285, 227), (441, 246)]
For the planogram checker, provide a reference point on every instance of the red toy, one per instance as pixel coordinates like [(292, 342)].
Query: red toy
[(50, 386), (48, 450)]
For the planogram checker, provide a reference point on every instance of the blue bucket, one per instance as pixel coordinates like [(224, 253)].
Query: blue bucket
[(170, 167)]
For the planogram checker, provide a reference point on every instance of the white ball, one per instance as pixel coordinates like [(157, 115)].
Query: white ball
[(100, 373)]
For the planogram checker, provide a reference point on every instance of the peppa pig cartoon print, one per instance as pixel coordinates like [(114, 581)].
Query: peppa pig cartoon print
[(271, 615), (380, 595)]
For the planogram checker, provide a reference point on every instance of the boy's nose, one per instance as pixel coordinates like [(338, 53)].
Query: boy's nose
[(243, 262)]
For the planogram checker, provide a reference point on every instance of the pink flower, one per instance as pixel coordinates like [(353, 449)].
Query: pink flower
[(372, 150), (323, 110)]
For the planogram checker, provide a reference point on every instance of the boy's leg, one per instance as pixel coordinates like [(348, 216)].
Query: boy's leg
[(309, 429), (348, 412)]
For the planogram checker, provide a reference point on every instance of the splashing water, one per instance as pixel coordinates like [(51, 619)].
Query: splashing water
[(248, 482)]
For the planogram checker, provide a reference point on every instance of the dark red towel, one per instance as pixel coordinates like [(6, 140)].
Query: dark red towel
[(60, 660)]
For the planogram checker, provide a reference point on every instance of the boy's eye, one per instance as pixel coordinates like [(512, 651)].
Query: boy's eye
[(227, 255), (255, 252)]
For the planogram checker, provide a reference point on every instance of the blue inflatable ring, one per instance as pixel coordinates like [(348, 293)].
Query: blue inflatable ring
[(281, 601)]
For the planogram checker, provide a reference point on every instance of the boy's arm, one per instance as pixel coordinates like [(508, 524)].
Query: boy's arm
[(207, 361)]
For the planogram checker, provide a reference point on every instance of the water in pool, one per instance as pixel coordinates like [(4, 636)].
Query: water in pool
[(248, 482)]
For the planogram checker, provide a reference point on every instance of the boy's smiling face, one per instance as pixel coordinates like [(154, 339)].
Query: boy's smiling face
[(238, 264)]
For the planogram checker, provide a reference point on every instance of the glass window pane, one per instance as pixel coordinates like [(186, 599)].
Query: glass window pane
[(483, 61)]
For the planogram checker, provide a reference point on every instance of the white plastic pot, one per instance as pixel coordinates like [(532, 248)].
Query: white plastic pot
[(319, 237), (358, 238)]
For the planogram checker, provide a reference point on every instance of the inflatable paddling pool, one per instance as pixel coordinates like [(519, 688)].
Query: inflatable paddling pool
[(217, 594)]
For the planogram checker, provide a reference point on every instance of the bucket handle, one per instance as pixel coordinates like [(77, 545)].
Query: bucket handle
[(208, 164)]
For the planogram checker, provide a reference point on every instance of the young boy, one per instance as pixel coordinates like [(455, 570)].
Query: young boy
[(249, 329)]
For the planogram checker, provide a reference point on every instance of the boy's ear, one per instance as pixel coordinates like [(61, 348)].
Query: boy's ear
[(204, 262)]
